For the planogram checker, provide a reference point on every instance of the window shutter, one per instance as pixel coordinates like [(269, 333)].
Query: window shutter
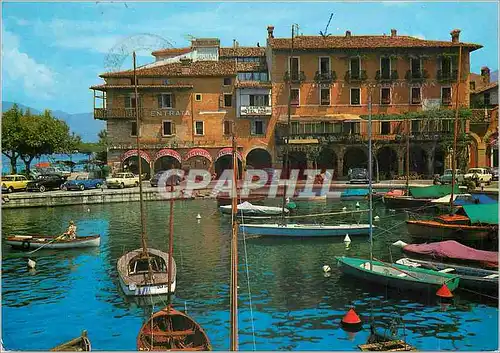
[(159, 101), (172, 127), (127, 102), (253, 127), (221, 101), (172, 100)]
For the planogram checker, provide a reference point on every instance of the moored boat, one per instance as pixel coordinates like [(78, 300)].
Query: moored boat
[(223, 200), (380, 341), (158, 333), (395, 275), (247, 209), (472, 278), (79, 344), (417, 196), (30, 242), (305, 230), (144, 274)]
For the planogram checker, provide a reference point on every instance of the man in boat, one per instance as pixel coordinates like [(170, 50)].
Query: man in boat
[(71, 232)]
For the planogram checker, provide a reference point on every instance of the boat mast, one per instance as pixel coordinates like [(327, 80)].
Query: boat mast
[(370, 176), (285, 159), (233, 310), (455, 130), (407, 157), (141, 201), (170, 244)]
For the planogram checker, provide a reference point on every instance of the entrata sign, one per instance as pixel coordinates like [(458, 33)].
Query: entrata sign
[(166, 152), (132, 153), (170, 112)]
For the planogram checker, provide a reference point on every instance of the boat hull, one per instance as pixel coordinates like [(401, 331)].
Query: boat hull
[(79, 344), (145, 290), (404, 202), (433, 230), (32, 242), (389, 277), (304, 230)]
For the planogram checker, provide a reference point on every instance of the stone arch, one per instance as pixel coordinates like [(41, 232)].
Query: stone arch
[(418, 160), (354, 157), (297, 160), (130, 164), (387, 158), (439, 160), (327, 159), (259, 158)]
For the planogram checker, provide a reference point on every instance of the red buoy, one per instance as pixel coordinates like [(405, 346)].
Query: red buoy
[(444, 292), (351, 321)]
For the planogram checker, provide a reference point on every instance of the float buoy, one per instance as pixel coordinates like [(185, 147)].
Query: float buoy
[(444, 292), (351, 321), (198, 216), (326, 268)]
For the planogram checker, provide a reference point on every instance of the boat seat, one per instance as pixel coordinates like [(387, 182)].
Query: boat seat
[(494, 275), (160, 333), (446, 270)]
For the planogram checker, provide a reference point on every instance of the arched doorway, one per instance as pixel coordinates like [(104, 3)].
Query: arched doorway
[(327, 159), (224, 161), (418, 160), (355, 157), (131, 164), (198, 158), (167, 159), (259, 158), (387, 159), (439, 160), (297, 160)]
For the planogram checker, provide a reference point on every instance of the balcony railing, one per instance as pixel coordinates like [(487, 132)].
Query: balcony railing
[(325, 77), (447, 76), (129, 113), (297, 77), (355, 76), (416, 76), (255, 110), (386, 75)]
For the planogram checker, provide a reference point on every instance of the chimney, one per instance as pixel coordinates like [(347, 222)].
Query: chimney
[(348, 34), (394, 32), (270, 31), (485, 75), (185, 65), (455, 35)]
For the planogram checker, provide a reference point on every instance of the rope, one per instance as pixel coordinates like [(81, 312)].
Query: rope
[(248, 285), (485, 295)]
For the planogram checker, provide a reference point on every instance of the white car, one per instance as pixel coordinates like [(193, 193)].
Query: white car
[(121, 180), (479, 175)]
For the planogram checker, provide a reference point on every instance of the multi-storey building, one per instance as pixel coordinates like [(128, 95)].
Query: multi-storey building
[(190, 99)]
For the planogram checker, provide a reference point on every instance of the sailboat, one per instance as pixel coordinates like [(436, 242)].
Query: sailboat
[(283, 229), (392, 275), (170, 329), (145, 271)]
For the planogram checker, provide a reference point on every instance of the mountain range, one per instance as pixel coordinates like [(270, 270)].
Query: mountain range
[(82, 124)]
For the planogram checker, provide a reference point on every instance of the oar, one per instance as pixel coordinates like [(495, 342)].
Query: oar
[(395, 268), (32, 263)]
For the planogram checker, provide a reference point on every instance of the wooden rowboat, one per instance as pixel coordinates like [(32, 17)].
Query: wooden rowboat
[(304, 230), (381, 342), (30, 242), (396, 276), (157, 334), (79, 344)]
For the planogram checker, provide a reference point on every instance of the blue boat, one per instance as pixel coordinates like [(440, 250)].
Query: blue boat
[(305, 230), (354, 194)]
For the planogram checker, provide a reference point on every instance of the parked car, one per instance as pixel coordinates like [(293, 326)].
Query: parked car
[(14, 182), (479, 175), (83, 181), (121, 180), (358, 175), (494, 173), (45, 182), (54, 170), (156, 178), (447, 175)]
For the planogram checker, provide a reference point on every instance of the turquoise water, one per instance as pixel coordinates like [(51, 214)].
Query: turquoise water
[(295, 307)]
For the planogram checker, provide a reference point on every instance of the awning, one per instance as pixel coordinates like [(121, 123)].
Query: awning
[(319, 118), (228, 151), (131, 153), (167, 152), (198, 152)]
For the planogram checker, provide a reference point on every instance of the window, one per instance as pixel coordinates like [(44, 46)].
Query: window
[(130, 102), (167, 128), (385, 127), (133, 129), (486, 98), (415, 95), (227, 127), (295, 127), (324, 65), (165, 100), (385, 68), (337, 128), (252, 76), (350, 128), (227, 81), (446, 66), (259, 100), (294, 69), (355, 96), (446, 95), (257, 127), (228, 100), (385, 95), (325, 96), (295, 93), (199, 128), (354, 67), (415, 67), (415, 126), (197, 97)]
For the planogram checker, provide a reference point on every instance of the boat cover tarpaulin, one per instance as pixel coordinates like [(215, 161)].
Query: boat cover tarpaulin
[(433, 191), (354, 192), (453, 250), (483, 214), (247, 208), (477, 199)]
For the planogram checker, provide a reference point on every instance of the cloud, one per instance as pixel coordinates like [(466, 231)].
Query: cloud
[(37, 79)]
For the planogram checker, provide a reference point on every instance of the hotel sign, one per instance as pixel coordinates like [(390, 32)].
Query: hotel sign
[(169, 112), (254, 110)]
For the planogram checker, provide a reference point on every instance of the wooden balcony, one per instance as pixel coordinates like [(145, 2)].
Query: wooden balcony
[(386, 76), (325, 77), (296, 77), (355, 76), (416, 76)]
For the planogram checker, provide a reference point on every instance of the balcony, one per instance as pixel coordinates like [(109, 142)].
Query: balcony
[(255, 110), (416, 76), (356, 76), (447, 76), (386, 75), (297, 77), (325, 77), (129, 113)]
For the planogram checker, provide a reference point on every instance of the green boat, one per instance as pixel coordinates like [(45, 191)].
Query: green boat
[(397, 276)]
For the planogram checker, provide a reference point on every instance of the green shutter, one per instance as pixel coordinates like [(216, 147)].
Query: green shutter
[(159, 101)]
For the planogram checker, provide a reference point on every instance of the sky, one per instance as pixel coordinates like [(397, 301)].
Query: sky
[(53, 52)]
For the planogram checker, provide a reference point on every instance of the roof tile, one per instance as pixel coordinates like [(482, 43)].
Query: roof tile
[(242, 51)]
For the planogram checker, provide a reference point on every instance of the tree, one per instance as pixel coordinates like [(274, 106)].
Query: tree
[(102, 155), (11, 135)]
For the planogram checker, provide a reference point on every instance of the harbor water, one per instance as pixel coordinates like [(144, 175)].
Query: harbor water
[(286, 301)]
